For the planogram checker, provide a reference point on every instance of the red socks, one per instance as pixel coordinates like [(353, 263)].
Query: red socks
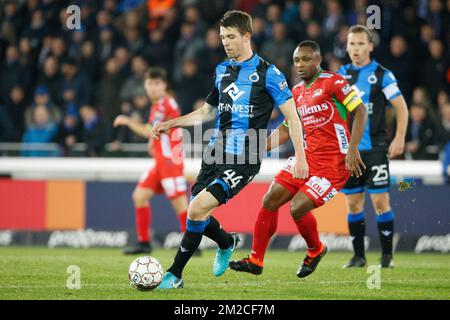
[(182, 218), (265, 227), (143, 219), (307, 226)]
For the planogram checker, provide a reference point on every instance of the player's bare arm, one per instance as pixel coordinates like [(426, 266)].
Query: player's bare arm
[(139, 128), (204, 114), (397, 146), (278, 137), (353, 160), (288, 109)]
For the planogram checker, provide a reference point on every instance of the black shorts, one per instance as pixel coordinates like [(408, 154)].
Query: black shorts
[(224, 181), (376, 177)]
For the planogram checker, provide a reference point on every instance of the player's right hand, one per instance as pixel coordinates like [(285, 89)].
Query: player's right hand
[(354, 163), (121, 121), (159, 128), (301, 168)]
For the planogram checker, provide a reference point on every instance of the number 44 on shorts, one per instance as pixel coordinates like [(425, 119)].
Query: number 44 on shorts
[(230, 178)]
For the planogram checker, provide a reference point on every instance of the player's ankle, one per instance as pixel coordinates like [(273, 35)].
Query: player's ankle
[(256, 261), (315, 252)]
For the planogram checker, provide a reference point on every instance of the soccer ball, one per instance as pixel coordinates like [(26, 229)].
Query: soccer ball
[(145, 273)]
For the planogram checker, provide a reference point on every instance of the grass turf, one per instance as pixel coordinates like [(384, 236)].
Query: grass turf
[(40, 273)]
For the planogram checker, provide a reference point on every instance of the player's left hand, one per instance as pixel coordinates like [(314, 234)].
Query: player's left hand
[(354, 163), (396, 148), (158, 129)]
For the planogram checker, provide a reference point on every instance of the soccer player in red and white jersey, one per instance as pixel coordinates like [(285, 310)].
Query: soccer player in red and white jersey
[(323, 100), (166, 176)]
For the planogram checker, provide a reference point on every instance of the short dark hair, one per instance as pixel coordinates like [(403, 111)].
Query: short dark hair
[(310, 44), (359, 28), (156, 73), (237, 19)]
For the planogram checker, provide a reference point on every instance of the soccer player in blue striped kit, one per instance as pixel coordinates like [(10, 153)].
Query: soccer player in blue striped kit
[(246, 89), (377, 87)]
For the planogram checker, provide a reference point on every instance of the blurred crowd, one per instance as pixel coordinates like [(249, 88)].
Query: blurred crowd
[(67, 86)]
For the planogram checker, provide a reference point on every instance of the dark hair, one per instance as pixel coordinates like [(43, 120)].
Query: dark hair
[(156, 73), (359, 28), (310, 44), (237, 19)]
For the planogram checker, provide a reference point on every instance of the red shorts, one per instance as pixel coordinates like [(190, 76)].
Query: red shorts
[(168, 179), (317, 188)]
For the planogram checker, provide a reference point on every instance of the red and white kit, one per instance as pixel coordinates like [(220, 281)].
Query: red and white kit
[(166, 176), (323, 107)]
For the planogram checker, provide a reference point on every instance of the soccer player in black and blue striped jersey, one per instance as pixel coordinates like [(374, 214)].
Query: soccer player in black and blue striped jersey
[(377, 88), (245, 90)]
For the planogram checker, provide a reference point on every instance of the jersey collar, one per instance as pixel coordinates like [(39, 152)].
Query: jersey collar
[(251, 61), (371, 63), (313, 79)]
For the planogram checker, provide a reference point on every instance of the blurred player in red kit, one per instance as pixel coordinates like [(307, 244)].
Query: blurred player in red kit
[(323, 100), (166, 176)]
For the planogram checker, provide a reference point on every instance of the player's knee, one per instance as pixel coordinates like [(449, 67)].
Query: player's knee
[(197, 210), (298, 210), (270, 202), (380, 205), (139, 198), (355, 205)]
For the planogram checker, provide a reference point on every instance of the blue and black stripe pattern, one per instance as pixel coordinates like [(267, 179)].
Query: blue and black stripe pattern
[(375, 85), (245, 94)]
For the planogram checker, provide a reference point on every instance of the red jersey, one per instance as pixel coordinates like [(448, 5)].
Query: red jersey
[(169, 145), (323, 106)]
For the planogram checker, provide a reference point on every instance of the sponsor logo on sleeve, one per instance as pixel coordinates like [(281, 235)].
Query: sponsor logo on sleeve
[(283, 85), (342, 138), (346, 89)]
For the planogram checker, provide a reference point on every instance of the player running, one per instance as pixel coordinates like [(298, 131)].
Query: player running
[(323, 100), (166, 176), (246, 89), (377, 87)]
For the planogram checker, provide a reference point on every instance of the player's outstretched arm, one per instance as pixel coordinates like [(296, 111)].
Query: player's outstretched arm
[(277, 137), (204, 114), (353, 160), (288, 109), (397, 146), (137, 127)]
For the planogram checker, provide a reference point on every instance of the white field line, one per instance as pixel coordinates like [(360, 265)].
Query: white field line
[(113, 285)]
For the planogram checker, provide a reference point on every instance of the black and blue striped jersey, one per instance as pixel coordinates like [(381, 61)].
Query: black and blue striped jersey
[(375, 85), (245, 94)]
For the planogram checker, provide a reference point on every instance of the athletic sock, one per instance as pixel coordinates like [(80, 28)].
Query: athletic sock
[(190, 242), (143, 220), (385, 222), (307, 227), (265, 227), (357, 228), (182, 219), (214, 231)]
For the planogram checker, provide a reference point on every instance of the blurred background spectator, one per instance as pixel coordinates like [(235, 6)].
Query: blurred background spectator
[(95, 131), (422, 133), (101, 65), (42, 129)]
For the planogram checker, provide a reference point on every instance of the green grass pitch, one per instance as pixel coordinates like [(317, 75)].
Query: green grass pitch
[(41, 273)]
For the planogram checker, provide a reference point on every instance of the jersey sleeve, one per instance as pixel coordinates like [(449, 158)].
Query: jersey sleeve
[(344, 93), (277, 86), (213, 97), (389, 86)]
